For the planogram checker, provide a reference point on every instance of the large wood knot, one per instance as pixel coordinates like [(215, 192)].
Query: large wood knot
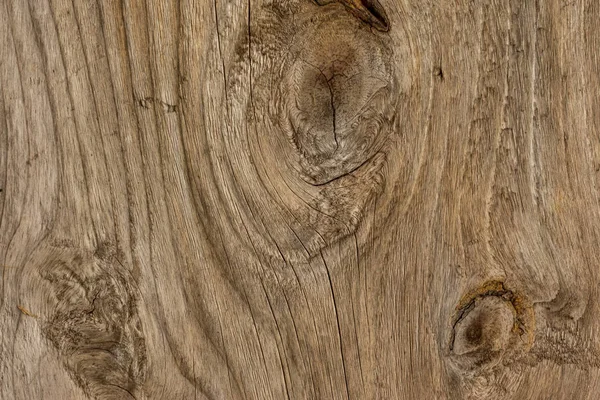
[(491, 324), (309, 135), (338, 88)]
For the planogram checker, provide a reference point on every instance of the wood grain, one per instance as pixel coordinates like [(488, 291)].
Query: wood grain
[(297, 199)]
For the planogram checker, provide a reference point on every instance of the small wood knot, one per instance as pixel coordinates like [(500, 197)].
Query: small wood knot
[(491, 323)]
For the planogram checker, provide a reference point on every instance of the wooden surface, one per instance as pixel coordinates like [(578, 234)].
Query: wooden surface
[(299, 200)]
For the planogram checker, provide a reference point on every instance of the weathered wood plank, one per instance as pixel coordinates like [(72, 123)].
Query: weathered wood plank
[(330, 199)]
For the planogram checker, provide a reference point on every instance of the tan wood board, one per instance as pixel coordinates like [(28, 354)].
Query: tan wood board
[(298, 199)]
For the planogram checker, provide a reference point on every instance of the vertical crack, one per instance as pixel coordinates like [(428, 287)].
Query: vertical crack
[(332, 96), (337, 318)]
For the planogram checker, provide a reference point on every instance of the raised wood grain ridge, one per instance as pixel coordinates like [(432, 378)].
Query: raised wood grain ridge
[(299, 199)]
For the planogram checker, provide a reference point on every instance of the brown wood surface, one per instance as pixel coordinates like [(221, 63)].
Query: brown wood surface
[(296, 199)]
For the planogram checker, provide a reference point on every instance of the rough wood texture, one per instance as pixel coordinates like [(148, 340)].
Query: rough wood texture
[(298, 199)]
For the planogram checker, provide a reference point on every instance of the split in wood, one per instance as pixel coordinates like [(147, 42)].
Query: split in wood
[(369, 11)]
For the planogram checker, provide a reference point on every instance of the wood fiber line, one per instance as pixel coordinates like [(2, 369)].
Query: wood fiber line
[(299, 199)]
